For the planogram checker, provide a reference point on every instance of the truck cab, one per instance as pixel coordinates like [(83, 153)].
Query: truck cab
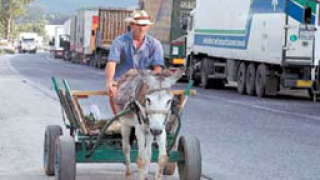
[(28, 45), (27, 42)]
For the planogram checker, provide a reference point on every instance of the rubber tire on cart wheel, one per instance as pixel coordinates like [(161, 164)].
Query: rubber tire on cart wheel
[(241, 87), (261, 80), (51, 134), (169, 169), (65, 158), (190, 168), (250, 79)]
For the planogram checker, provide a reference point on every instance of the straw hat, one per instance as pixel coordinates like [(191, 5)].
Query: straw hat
[(140, 17)]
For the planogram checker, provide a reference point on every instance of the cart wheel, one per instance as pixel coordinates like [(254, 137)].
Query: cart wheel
[(51, 133), (65, 159), (169, 169), (190, 168)]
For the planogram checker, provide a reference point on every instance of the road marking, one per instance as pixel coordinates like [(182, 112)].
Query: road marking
[(262, 107)]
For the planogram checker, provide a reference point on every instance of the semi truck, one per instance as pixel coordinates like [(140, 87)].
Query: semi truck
[(262, 45), (170, 17), (83, 34), (27, 42), (58, 50), (109, 24)]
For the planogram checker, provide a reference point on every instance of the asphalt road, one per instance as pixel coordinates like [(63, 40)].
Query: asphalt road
[(242, 137)]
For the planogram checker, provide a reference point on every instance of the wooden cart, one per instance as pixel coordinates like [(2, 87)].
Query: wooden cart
[(91, 140)]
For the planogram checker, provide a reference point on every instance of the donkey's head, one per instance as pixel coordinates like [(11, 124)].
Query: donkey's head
[(158, 99)]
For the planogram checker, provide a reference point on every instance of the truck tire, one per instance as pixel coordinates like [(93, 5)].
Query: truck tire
[(65, 158), (51, 134), (261, 79), (206, 63), (191, 71), (218, 83), (250, 79), (241, 87), (190, 168)]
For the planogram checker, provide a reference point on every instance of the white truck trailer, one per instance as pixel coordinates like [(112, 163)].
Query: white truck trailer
[(263, 45), (83, 26), (57, 49)]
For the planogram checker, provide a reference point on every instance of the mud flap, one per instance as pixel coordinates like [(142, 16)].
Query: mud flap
[(272, 84)]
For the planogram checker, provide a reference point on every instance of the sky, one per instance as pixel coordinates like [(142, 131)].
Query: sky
[(70, 6)]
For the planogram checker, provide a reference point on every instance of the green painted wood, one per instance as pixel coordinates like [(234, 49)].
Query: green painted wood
[(67, 88), (55, 84)]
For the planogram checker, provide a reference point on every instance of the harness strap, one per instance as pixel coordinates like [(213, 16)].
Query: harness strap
[(151, 91), (164, 112)]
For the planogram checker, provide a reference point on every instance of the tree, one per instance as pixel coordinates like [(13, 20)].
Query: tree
[(9, 10)]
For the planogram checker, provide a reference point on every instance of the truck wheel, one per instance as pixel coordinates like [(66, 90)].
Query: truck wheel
[(51, 134), (250, 79), (311, 94), (261, 79), (205, 68), (169, 169), (190, 168), (65, 158), (241, 87), (191, 71)]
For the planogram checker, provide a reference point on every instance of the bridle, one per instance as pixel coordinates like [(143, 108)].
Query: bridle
[(145, 119)]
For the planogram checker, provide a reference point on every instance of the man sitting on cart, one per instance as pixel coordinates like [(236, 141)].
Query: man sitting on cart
[(133, 50)]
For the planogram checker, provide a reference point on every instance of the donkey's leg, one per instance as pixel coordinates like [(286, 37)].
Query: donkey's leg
[(141, 161), (149, 141), (163, 158), (125, 132)]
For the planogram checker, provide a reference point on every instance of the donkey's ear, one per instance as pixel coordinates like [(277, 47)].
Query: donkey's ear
[(176, 75)]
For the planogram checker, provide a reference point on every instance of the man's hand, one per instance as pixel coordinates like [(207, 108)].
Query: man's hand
[(112, 88), (157, 69)]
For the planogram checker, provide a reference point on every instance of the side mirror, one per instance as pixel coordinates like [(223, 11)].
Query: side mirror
[(184, 27), (307, 15)]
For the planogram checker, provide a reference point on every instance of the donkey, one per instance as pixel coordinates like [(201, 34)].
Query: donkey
[(151, 94)]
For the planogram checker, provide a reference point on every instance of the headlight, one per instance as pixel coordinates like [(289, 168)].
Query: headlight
[(175, 50)]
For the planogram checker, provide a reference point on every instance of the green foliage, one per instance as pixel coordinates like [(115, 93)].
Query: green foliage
[(36, 27), (9, 10)]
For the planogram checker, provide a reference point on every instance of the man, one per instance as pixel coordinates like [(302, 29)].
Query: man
[(134, 50)]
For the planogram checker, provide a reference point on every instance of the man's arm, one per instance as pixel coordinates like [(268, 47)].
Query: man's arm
[(110, 83)]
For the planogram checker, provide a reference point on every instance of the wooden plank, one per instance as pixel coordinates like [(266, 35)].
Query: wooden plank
[(67, 109), (85, 94), (80, 94), (180, 92), (79, 113)]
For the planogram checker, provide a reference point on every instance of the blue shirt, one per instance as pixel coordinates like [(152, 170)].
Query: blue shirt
[(125, 54)]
